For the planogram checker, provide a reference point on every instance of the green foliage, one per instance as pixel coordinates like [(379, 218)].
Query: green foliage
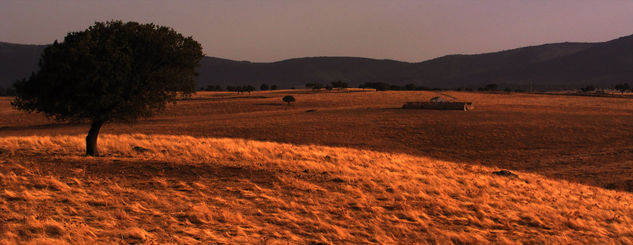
[(111, 71)]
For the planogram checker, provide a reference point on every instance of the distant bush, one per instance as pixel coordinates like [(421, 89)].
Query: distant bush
[(422, 88), (263, 87), (339, 85), (273, 87), (489, 87), (7, 91), (588, 88), (213, 88), (379, 86), (288, 99), (622, 87), (240, 89), (314, 86)]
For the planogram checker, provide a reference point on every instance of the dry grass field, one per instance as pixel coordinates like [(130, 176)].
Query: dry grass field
[(334, 167), (184, 190), (582, 139)]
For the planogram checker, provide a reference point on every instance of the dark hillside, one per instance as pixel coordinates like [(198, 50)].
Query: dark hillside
[(17, 61), (548, 66), (480, 69)]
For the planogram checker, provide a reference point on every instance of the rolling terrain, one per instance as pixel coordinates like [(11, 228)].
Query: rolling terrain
[(544, 67), (185, 190), (579, 139), (334, 167)]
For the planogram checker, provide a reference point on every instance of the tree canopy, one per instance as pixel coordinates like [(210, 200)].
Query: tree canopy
[(288, 99), (112, 71)]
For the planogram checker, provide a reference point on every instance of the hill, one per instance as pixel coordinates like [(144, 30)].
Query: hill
[(180, 189), (17, 61), (298, 72), (548, 66)]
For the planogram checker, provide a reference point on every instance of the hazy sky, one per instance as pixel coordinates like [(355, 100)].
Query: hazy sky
[(271, 30)]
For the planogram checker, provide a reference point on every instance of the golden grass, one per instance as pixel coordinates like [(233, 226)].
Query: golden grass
[(181, 189), (575, 138)]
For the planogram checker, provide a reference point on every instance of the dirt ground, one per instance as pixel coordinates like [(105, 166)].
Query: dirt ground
[(581, 139)]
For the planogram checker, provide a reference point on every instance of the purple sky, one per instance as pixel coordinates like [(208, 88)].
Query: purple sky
[(272, 30)]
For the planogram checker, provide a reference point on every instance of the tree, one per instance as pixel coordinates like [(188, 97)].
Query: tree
[(273, 87), (379, 86), (112, 71), (622, 87), (249, 88), (7, 91), (288, 99), (213, 88), (588, 88), (491, 87), (339, 85), (314, 86), (263, 87)]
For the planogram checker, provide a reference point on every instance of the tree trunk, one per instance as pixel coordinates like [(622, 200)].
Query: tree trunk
[(91, 139)]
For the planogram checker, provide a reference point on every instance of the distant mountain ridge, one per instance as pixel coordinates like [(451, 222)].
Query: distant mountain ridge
[(549, 66), (18, 61)]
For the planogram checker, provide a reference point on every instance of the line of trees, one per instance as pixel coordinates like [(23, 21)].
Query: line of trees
[(333, 85), (381, 86), (623, 87), (245, 88), (7, 91)]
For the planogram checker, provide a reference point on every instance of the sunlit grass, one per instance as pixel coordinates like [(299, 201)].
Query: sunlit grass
[(181, 189)]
